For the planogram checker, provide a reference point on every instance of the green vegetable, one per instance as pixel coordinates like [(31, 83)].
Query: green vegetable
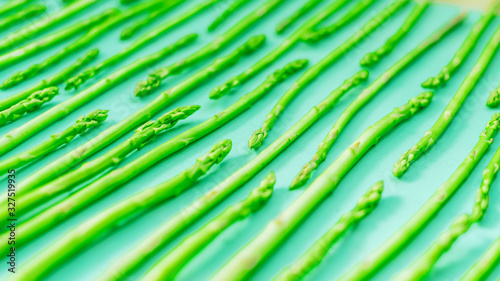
[(85, 234), (258, 136), (494, 98), (287, 22), (391, 247), (51, 81), (431, 136), (30, 104), (256, 251), (485, 264), (155, 79), (373, 58), (24, 14), (12, 5), (171, 263), (61, 110), (459, 226), (179, 222), (312, 257), (237, 4)]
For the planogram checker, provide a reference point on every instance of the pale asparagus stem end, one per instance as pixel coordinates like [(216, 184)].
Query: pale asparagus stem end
[(494, 98)]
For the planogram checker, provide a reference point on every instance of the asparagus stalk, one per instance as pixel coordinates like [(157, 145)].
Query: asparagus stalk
[(391, 247), (30, 104), (312, 257), (82, 236), (24, 14), (494, 98), (432, 135), (12, 5), (51, 81), (83, 41), (485, 264), (373, 58), (155, 78), (57, 112), (287, 22), (141, 42), (237, 4), (178, 223), (171, 263), (278, 230), (256, 140), (421, 267), (463, 52)]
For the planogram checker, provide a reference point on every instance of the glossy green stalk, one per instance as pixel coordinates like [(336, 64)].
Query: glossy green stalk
[(17, 136), (28, 32), (243, 264), (391, 247), (141, 42), (431, 136), (179, 222), (494, 98), (173, 262), (82, 125), (423, 264), (373, 58), (155, 78), (256, 140), (84, 235), (233, 7), (12, 5), (287, 22), (24, 14), (116, 17), (463, 52), (313, 256), (51, 81), (30, 104), (485, 264)]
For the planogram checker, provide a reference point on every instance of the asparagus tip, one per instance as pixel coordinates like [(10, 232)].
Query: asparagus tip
[(494, 99)]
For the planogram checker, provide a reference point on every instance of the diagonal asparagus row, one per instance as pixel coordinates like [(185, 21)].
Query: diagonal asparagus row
[(391, 247), (256, 140), (82, 125), (485, 264), (373, 58), (233, 7), (57, 112), (51, 81), (12, 5), (287, 22), (173, 262), (156, 77), (423, 264), (141, 42), (432, 135), (178, 223), (494, 98), (30, 104), (24, 14), (313, 256), (78, 239)]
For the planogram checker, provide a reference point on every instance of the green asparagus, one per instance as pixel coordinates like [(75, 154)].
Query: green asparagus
[(171, 263), (494, 98), (313, 256), (485, 264), (82, 125), (27, 13), (463, 52), (237, 4), (30, 104), (432, 135), (51, 81), (12, 5), (156, 77), (373, 58), (141, 42), (287, 22), (312, 73), (82, 236), (391, 247), (178, 223), (57, 112)]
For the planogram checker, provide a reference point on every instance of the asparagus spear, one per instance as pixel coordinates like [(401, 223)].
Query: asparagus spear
[(12, 5), (30, 104), (259, 135), (85, 234), (171, 263), (485, 264), (463, 52), (82, 125), (421, 267), (287, 22), (431, 136), (178, 223), (237, 4), (278, 230), (156, 77), (51, 81), (391, 247), (143, 41), (313, 256), (27, 130), (24, 14), (494, 98), (373, 58)]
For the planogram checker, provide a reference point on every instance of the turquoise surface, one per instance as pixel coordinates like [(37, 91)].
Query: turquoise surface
[(402, 197)]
